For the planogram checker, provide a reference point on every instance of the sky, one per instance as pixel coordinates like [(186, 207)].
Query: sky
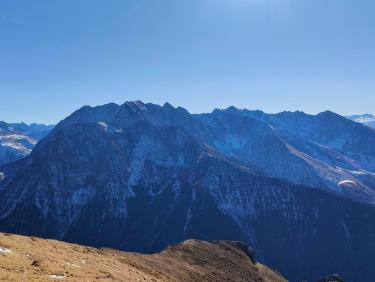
[(273, 55)]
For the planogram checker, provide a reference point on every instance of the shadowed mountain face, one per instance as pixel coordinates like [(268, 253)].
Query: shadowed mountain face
[(139, 177), (18, 139)]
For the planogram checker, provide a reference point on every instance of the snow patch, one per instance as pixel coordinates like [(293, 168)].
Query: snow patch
[(18, 142), (103, 124), (366, 119)]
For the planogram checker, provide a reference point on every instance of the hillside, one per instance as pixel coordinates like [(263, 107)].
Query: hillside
[(33, 259)]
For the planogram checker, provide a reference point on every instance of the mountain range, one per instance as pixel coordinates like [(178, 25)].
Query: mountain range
[(366, 119), (299, 188), (18, 139)]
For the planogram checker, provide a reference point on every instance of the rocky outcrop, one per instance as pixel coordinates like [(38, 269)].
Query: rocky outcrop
[(245, 248)]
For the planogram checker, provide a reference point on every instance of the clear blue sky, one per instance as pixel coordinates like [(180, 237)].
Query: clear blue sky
[(272, 55)]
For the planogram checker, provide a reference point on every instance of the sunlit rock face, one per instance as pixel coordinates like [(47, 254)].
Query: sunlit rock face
[(140, 177)]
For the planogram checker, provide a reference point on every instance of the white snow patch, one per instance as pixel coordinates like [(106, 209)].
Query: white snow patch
[(17, 142), (103, 124), (365, 119), (141, 152), (357, 172)]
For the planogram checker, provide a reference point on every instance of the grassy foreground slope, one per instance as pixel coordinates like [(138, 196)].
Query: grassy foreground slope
[(33, 259)]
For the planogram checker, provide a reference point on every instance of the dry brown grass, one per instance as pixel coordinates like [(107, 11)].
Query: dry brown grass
[(34, 259)]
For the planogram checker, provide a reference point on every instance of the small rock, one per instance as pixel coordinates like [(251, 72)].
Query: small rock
[(58, 276), (72, 264), (4, 250), (36, 263)]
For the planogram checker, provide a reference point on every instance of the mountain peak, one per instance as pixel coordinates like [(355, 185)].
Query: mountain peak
[(168, 106), (232, 109), (328, 113), (136, 103)]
